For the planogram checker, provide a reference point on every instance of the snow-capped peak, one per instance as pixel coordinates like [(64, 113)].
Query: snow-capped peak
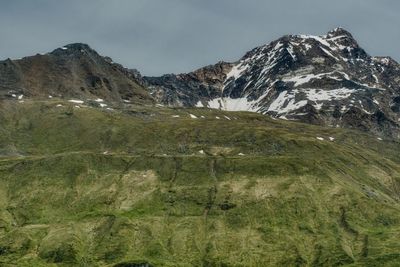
[(319, 78)]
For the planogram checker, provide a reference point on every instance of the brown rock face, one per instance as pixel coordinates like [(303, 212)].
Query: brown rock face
[(73, 71)]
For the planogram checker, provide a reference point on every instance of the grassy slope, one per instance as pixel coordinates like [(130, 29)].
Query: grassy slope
[(88, 186)]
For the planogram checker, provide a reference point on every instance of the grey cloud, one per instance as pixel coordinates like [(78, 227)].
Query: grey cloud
[(164, 36)]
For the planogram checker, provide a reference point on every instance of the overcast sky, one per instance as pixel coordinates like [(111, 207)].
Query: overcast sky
[(173, 36)]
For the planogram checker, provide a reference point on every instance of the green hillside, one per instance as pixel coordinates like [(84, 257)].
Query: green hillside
[(82, 185)]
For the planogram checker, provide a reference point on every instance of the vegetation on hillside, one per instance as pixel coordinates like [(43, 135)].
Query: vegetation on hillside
[(89, 186)]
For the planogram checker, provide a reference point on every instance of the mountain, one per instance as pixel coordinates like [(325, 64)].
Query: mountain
[(72, 71), (95, 172), (326, 80)]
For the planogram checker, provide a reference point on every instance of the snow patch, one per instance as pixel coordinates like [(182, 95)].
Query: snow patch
[(236, 71), (286, 103), (320, 39), (231, 104), (324, 95), (329, 53), (290, 49), (76, 101), (307, 46), (376, 78), (299, 80)]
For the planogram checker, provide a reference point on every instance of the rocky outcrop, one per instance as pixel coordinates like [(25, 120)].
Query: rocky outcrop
[(188, 89)]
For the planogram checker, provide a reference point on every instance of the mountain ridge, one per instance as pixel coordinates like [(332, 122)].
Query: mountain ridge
[(326, 80), (102, 177)]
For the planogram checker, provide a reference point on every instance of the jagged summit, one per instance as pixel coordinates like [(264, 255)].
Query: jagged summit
[(78, 46), (339, 31), (74, 49)]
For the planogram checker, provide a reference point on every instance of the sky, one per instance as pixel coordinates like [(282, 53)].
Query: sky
[(175, 36)]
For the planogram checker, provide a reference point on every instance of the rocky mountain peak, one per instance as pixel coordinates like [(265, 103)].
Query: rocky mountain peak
[(72, 71), (339, 32), (326, 79), (74, 49), (78, 46)]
